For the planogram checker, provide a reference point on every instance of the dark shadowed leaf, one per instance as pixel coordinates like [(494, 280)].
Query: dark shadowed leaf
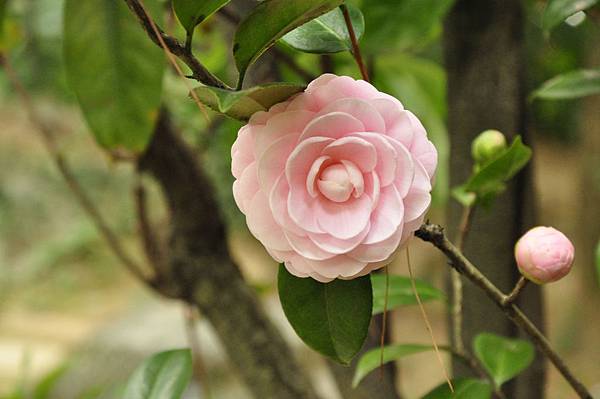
[(328, 33), (490, 179), (400, 292), (371, 359), (193, 12), (464, 388), (2, 16), (114, 70), (242, 104), (503, 358), (331, 318), (572, 84), (559, 10), (268, 22), (163, 376)]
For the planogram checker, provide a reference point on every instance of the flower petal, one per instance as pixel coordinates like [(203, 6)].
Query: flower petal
[(307, 248), (354, 149), (386, 156), (338, 246), (339, 266), (278, 126), (387, 217), (361, 110), (343, 220), (333, 125), (245, 188), (263, 226), (378, 252)]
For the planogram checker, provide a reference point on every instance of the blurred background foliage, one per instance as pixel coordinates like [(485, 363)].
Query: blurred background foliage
[(57, 275)]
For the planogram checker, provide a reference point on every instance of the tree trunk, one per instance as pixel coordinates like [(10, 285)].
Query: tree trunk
[(203, 273), (484, 56)]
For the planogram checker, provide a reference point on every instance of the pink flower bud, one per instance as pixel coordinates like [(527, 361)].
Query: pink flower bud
[(544, 255)]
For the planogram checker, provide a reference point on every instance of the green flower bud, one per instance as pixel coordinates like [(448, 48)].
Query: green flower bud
[(487, 145)]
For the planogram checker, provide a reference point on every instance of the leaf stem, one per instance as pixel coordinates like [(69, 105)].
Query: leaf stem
[(435, 235), (355, 47), (190, 313)]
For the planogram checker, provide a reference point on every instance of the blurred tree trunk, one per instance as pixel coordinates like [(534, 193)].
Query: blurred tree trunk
[(589, 211), (484, 56)]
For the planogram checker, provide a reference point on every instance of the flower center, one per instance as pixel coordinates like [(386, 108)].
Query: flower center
[(338, 181)]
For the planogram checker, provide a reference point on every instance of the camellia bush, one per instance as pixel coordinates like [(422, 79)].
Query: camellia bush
[(333, 174)]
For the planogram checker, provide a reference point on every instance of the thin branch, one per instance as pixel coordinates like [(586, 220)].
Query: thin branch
[(153, 247), (199, 71), (355, 47), (384, 321), (514, 294), (457, 288), (435, 235), (63, 167)]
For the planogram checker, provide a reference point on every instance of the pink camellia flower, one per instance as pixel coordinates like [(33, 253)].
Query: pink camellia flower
[(544, 255), (335, 179)]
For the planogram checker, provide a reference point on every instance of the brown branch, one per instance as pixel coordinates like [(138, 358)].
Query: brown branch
[(63, 167), (435, 235), (153, 247), (199, 71), (514, 294), (355, 47)]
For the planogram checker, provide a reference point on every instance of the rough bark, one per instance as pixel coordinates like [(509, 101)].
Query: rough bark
[(203, 273), (484, 42)]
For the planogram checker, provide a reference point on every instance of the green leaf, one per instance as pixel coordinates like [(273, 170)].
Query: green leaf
[(574, 84), (242, 104), (400, 292), (491, 177), (163, 376), (326, 34), (268, 22), (44, 387), (503, 358), (464, 388), (114, 70), (371, 359), (559, 10), (193, 12), (331, 318), (394, 25)]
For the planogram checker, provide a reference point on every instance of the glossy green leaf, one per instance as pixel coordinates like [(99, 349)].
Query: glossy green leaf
[(464, 388), (393, 25), (163, 376), (574, 84), (400, 292), (43, 389), (242, 104), (114, 70), (327, 33), (372, 359), (503, 358), (331, 318), (491, 177), (559, 10), (193, 12), (268, 22)]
